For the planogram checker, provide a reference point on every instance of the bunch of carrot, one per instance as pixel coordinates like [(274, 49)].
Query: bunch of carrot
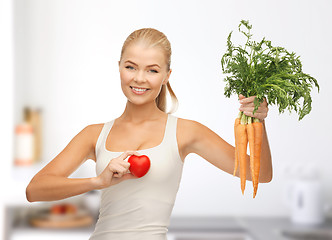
[(248, 129), (256, 68)]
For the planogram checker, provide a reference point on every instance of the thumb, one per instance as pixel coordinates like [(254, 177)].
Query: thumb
[(241, 96), (128, 176)]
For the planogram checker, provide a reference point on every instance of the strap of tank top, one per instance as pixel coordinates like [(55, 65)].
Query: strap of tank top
[(171, 140), (171, 129), (103, 134)]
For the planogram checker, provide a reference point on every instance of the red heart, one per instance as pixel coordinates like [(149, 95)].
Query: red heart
[(139, 165)]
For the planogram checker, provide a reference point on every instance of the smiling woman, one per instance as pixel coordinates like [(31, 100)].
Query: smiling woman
[(131, 207)]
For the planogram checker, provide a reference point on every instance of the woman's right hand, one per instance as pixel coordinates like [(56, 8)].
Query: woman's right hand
[(116, 171)]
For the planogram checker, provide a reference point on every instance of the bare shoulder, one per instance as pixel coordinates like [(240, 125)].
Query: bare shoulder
[(186, 135), (192, 136), (187, 127)]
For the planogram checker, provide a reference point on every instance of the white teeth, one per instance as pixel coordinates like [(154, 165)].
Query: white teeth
[(139, 89)]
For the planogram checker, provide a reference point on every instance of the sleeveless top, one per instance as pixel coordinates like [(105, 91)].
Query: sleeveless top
[(137, 209)]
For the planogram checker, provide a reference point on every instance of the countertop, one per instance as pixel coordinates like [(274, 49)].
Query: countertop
[(259, 228)]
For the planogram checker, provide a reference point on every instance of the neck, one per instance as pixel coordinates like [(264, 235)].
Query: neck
[(141, 113)]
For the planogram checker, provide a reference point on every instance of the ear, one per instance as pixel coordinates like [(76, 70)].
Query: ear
[(167, 77)]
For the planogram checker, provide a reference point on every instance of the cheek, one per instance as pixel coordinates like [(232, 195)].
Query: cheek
[(125, 77), (156, 81)]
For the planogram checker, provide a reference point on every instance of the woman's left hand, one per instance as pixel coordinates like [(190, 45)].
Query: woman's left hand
[(247, 107)]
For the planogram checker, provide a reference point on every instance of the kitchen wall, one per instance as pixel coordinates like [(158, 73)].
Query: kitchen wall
[(66, 55)]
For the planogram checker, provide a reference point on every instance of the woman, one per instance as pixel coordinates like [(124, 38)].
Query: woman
[(140, 208)]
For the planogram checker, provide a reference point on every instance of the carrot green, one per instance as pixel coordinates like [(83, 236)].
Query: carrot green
[(261, 70)]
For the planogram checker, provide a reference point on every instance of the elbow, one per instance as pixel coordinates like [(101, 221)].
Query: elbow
[(266, 179), (29, 194), (269, 179)]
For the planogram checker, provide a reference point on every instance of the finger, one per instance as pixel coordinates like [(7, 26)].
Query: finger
[(118, 174), (125, 164), (244, 105), (262, 105), (248, 99), (125, 154), (125, 173), (249, 109), (128, 176), (137, 154), (260, 110), (117, 167), (257, 115)]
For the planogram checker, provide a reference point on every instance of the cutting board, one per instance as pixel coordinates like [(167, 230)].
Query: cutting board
[(48, 220)]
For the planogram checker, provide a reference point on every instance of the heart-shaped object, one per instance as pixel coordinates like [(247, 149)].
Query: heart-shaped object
[(139, 165)]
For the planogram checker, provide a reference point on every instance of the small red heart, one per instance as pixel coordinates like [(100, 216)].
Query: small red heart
[(139, 165)]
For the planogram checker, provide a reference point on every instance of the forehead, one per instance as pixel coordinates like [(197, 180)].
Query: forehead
[(144, 55)]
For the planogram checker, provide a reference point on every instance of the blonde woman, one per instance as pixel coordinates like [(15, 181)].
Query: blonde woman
[(140, 208)]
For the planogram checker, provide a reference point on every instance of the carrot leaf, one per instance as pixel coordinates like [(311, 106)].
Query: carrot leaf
[(262, 70)]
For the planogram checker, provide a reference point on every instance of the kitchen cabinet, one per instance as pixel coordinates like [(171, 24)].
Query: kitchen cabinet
[(246, 228), (202, 228), (207, 228)]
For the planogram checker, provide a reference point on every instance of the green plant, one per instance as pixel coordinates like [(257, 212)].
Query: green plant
[(261, 70)]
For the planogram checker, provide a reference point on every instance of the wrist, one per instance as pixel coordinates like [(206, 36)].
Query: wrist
[(96, 183)]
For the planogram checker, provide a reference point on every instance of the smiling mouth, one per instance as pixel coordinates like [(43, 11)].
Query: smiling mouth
[(139, 89)]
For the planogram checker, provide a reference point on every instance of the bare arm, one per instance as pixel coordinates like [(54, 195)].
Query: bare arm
[(210, 146), (52, 182)]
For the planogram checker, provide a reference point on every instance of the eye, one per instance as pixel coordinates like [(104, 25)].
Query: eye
[(154, 71), (129, 67)]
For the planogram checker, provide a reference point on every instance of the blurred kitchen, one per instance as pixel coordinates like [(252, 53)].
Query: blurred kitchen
[(60, 73)]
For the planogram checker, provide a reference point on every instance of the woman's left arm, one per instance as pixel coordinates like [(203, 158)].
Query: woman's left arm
[(210, 146)]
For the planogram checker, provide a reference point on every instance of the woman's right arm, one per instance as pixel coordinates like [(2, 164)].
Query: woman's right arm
[(52, 183)]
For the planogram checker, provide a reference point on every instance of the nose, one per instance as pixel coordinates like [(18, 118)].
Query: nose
[(140, 76)]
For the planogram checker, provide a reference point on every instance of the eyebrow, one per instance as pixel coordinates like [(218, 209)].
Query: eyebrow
[(152, 65)]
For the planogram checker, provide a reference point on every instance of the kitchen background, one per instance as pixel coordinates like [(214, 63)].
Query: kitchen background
[(60, 73)]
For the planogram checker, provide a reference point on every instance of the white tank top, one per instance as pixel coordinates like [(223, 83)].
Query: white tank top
[(137, 209)]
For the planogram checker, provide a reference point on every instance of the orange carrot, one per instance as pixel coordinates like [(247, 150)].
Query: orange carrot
[(258, 129), (236, 163), (251, 140), (242, 139)]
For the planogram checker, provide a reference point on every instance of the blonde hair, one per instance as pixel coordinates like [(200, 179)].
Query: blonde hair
[(154, 38)]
